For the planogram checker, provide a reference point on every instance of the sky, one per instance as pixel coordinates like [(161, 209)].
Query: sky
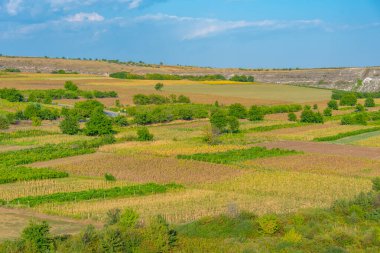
[(216, 33)]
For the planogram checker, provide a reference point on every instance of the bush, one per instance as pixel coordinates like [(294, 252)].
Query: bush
[(376, 184), (369, 102), (315, 107), (86, 108), (333, 104), (269, 224), (359, 108), (143, 134), (159, 86), (349, 99), (327, 112), (237, 110), (70, 125), (12, 95), (292, 116), (183, 99), (158, 237), (219, 120), (98, 124), (36, 121), (4, 122), (233, 124), (308, 116), (242, 78), (186, 114), (69, 85), (356, 119), (113, 216), (255, 113), (37, 237), (121, 121), (129, 218), (109, 177), (292, 237)]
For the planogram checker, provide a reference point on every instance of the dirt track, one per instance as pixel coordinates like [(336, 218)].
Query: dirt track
[(326, 148)]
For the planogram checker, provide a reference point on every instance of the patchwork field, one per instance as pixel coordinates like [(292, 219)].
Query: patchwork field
[(179, 167)]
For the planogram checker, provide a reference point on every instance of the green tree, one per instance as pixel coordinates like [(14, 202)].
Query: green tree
[(159, 86), (219, 120), (369, 102), (333, 104), (98, 124), (308, 116), (143, 134), (37, 238), (315, 107), (327, 112), (158, 236), (121, 121), (292, 116), (69, 85), (112, 241), (359, 108), (348, 99), (86, 108), (233, 124), (129, 218), (237, 110), (256, 114), (70, 125)]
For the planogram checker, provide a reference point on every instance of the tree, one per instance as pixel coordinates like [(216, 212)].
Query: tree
[(369, 102), (129, 218), (37, 237), (256, 114), (292, 116), (69, 85), (86, 108), (158, 236), (121, 121), (349, 99), (233, 124), (237, 110), (359, 108), (99, 124), (183, 99), (327, 112), (159, 86), (308, 116), (219, 121), (70, 125), (333, 104), (143, 134)]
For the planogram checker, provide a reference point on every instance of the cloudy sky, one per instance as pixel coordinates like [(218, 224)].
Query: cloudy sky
[(219, 33)]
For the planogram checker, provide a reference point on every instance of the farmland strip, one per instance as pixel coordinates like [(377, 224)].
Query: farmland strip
[(346, 134)]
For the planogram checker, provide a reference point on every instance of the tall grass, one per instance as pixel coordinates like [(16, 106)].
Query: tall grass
[(346, 134), (10, 175)]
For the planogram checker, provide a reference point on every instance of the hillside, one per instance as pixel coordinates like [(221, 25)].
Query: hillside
[(337, 78)]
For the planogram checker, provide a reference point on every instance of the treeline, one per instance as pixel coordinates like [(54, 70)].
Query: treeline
[(156, 76), (338, 94), (154, 99)]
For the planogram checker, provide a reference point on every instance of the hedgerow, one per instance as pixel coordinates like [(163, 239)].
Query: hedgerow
[(10, 175), (275, 127), (127, 191), (22, 134), (346, 134), (239, 155)]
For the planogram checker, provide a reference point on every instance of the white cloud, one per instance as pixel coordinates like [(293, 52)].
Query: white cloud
[(133, 4), (13, 7), (205, 27), (85, 17)]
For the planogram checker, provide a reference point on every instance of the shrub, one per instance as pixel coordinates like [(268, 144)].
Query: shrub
[(219, 120), (369, 102), (37, 237), (70, 125), (36, 121), (359, 108), (86, 108), (129, 218), (348, 99), (109, 177), (356, 119), (12, 95), (315, 107), (105, 94), (255, 113), (143, 134), (183, 99), (237, 110), (185, 114), (158, 237), (113, 216), (159, 86), (292, 237), (376, 184), (113, 241), (4, 122), (308, 116), (120, 121), (242, 78), (233, 124), (269, 224), (99, 124), (69, 85), (292, 116), (333, 104), (327, 112)]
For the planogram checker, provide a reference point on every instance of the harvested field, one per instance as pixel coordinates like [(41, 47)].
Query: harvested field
[(320, 164), (143, 168), (326, 148)]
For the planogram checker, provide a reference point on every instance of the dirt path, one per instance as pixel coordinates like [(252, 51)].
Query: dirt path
[(13, 221), (326, 148)]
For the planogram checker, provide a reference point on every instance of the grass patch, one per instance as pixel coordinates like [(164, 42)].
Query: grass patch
[(274, 127), (22, 134), (127, 191), (10, 175), (239, 155), (346, 134)]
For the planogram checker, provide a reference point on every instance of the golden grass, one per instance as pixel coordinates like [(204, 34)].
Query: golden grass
[(370, 142), (50, 186), (48, 139), (320, 164), (259, 192)]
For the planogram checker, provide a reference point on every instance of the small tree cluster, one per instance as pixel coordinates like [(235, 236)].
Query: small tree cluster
[(237, 110), (308, 116), (369, 102), (333, 104), (221, 122), (256, 113), (348, 99), (143, 134)]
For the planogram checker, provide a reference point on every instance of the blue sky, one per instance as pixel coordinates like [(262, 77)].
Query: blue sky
[(218, 33)]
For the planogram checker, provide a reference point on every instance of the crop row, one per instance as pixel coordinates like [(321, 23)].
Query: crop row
[(22, 134), (239, 155), (127, 191), (10, 175), (275, 127), (347, 134)]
